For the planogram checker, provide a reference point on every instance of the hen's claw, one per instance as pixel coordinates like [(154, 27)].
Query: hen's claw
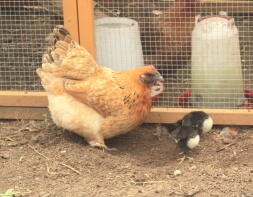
[(110, 149), (102, 146)]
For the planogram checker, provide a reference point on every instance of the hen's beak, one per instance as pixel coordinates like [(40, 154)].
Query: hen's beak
[(159, 77)]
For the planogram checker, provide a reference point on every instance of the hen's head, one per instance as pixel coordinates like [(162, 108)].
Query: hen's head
[(149, 76), (144, 78)]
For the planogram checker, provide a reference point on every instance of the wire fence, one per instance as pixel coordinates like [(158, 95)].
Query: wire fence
[(206, 61), (24, 25)]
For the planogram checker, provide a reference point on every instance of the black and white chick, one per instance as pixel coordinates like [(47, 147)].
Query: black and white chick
[(185, 136), (186, 132), (199, 121)]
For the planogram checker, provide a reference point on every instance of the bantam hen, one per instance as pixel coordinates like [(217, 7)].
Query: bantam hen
[(91, 100)]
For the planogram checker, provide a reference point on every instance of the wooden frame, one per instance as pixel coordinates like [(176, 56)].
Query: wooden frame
[(33, 105), (220, 116), (170, 115), (240, 6), (78, 18)]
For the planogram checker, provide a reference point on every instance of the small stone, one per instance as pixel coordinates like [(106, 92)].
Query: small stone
[(177, 172), (233, 132), (227, 140), (4, 156), (193, 167), (225, 132), (229, 132)]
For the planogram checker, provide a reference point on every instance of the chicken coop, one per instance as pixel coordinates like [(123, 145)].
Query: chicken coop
[(203, 49)]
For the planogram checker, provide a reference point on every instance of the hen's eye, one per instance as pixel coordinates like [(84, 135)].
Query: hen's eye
[(150, 79), (149, 74)]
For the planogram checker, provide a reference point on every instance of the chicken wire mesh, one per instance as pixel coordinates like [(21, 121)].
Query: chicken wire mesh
[(207, 71), (24, 25)]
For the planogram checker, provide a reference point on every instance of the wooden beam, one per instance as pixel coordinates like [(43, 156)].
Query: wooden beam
[(227, 6), (220, 116), (24, 113), (224, 1), (219, 1), (32, 105), (16, 98), (86, 25), (234, 6), (71, 18), (157, 115)]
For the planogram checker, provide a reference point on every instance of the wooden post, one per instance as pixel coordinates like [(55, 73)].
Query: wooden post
[(33, 105), (70, 14), (86, 26)]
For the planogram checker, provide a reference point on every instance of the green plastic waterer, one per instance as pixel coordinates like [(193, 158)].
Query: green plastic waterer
[(216, 72)]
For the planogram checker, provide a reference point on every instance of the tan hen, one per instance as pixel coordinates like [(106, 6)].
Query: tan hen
[(91, 100)]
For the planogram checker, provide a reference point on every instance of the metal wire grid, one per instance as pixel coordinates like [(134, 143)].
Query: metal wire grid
[(24, 25), (165, 32)]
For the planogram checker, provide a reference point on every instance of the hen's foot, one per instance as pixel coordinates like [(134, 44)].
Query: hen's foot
[(102, 146)]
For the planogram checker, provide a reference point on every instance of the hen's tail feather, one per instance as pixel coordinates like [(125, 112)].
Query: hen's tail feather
[(59, 42), (65, 58)]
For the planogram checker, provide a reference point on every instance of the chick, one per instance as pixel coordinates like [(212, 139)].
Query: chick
[(199, 121), (186, 132), (186, 137)]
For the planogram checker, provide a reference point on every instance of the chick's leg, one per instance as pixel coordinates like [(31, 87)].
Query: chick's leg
[(184, 157), (185, 152)]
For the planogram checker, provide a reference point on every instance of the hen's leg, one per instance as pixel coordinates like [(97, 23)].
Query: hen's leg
[(97, 141), (101, 146)]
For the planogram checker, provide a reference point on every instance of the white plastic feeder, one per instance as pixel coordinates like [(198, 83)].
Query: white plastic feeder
[(216, 63), (118, 44)]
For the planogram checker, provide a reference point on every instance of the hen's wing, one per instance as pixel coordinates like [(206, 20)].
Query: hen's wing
[(101, 93)]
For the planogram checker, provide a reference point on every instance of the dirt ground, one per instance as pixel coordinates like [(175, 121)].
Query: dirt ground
[(38, 159)]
